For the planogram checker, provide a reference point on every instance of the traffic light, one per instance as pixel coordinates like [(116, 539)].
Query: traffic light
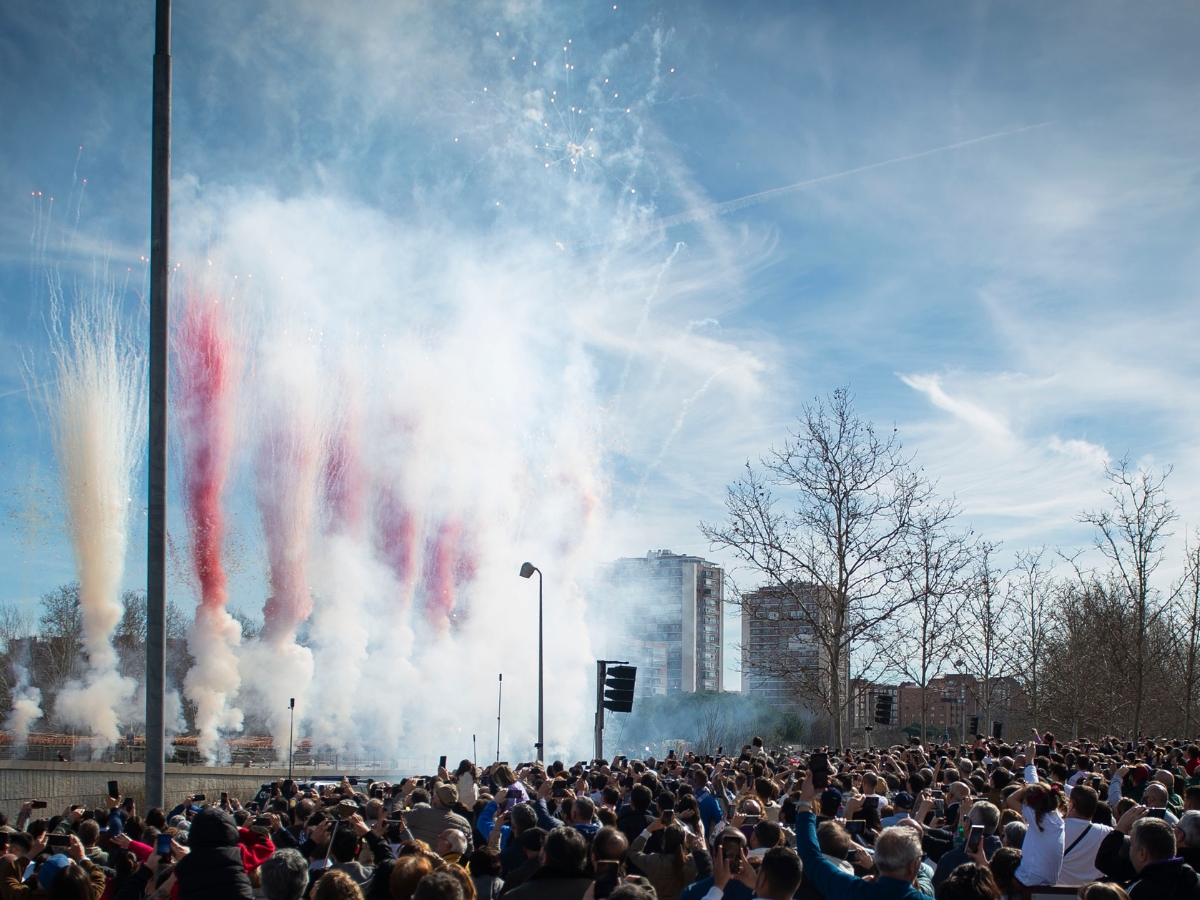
[(997, 730), (618, 688), (883, 709), (974, 725)]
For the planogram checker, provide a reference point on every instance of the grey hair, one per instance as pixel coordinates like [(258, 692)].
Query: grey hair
[(522, 817), (987, 815), (456, 839), (1189, 824), (284, 875), (896, 848), (1014, 834)]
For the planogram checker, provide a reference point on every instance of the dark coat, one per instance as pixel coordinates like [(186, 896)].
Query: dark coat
[(1172, 879), (548, 884), (213, 868)]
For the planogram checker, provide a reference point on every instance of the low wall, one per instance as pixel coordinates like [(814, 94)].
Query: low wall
[(62, 784)]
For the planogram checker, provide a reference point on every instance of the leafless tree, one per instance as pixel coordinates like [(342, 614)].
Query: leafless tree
[(1186, 634), (920, 640), (983, 630), (1130, 536), (832, 540), (1030, 593)]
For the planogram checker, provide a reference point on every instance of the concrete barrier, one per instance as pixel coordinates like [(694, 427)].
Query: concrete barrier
[(62, 784)]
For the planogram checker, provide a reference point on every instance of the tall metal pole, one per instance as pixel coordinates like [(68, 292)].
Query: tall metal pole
[(156, 528), (291, 733), (499, 710), (601, 671), (541, 745)]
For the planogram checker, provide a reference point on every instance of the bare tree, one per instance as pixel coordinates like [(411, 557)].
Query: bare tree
[(1186, 634), (983, 630), (1131, 534), (1030, 593), (921, 640), (833, 543)]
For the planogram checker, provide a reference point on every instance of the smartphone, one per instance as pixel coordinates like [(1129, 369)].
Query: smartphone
[(818, 764), (1042, 750), (608, 876), (262, 821), (198, 797), (393, 833), (732, 848), (975, 839), (720, 751), (162, 846), (1097, 781), (1156, 812), (856, 826), (560, 790), (60, 840), (512, 798), (753, 820), (871, 802), (224, 798), (37, 804), (113, 790), (668, 816), (441, 762)]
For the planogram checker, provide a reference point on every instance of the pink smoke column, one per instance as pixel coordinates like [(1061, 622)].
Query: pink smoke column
[(206, 363), (288, 468), (344, 482), (449, 566), (397, 528)]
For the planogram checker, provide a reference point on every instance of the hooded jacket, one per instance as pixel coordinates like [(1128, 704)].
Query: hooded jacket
[(214, 868)]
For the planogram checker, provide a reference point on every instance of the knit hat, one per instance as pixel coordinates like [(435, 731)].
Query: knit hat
[(448, 794), (50, 868)]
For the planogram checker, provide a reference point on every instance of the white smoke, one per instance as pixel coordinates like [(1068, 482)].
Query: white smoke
[(97, 410), (213, 682), (26, 709)]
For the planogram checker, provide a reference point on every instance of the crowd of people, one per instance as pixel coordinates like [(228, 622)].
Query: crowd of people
[(1113, 820)]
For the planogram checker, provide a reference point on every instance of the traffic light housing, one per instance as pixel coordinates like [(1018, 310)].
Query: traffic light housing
[(974, 725), (997, 730), (619, 683), (883, 709)]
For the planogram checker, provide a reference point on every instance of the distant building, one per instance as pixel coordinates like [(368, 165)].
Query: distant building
[(780, 649), (664, 612), (953, 699)]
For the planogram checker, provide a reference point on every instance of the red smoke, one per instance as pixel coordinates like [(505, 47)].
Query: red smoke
[(344, 482), (207, 366), (397, 526), (449, 565)]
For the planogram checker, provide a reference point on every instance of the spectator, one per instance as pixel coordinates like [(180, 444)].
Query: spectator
[(407, 873), (335, 885), (1082, 837), (1042, 806), (484, 866), (1101, 890), (561, 874), (1004, 870), (218, 861), (671, 870), (1145, 861), (284, 876), (985, 815), (1014, 835), (969, 882), (439, 886), (427, 821), (1187, 838)]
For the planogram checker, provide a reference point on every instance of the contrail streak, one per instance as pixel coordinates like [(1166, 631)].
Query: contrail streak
[(728, 206)]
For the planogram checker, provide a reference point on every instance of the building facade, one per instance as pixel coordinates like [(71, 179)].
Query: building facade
[(664, 612), (779, 647)]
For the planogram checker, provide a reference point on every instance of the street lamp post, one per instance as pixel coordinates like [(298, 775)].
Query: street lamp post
[(527, 570)]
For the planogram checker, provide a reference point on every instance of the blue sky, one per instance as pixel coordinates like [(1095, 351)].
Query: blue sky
[(1022, 308)]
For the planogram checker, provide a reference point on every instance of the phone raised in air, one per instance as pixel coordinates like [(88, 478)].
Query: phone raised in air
[(60, 840), (975, 839), (818, 764), (732, 850), (856, 826), (37, 804), (441, 762), (162, 846), (113, 790)]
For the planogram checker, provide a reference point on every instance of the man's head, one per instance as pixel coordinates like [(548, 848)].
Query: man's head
[(898, 853), (89, 833), (640, 797), (420, 795), (439, 886), (779, 875), (583, 810), (765, 834), (1155, 795), (532, 840), (1191, 797), (609, 844), (1150, 840), (834, 840), (1187, 830), (987, 815), (284, 875), (344, 846), (522, 817), (830, 802), (565, 851), (451, 841), (445, 796), (1165, 778)]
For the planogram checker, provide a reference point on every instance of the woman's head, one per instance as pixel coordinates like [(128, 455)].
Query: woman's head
[(1099, 890), (969, 882), (407, 874), (1044, 799), (336, 885)]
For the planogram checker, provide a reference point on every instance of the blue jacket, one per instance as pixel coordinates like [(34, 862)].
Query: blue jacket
[(710, 810), (832, 882), (735, 890), (487, 821)]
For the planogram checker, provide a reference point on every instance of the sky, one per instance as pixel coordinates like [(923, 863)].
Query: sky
[(992, 240)]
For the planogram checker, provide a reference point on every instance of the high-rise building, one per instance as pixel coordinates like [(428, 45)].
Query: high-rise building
[(664, 613), (780, 649)]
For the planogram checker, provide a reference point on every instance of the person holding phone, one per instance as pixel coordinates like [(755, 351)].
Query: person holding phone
[(220, 857), (672, 869), (982, 820)]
